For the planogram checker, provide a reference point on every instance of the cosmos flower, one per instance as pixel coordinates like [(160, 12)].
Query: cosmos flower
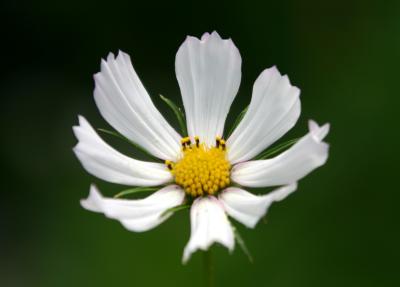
[(202, 169)]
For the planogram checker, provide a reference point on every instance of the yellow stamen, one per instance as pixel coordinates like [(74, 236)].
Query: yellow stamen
[(169, 164), (217, 141), (223, 144)]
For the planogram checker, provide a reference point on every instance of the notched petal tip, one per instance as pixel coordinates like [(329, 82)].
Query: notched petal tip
[(318, 132), (122, 53), (83, 121), (284, 77), (123, 57), (96, 77), (82, 125), (92, 202), (312, 125), (191, 39), (205, 36), (274, 69), (283, 192), (215, 34), (103, 66), (110, 57)]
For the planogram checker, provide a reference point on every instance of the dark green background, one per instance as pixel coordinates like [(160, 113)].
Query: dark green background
[(339, 229)]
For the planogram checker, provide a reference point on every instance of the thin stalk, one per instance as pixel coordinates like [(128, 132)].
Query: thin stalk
[(180, 116), (175, 209), (237, 121), (135, 190), (208, 268), (270, 152)]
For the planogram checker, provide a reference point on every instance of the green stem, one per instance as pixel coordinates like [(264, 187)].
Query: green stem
[(208, 269)]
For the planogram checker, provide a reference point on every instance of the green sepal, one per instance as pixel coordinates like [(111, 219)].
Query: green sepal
[(180, 116), (134, 190), (175, 209), (242, 244), (118, 135), (237, 121), (279, 148)]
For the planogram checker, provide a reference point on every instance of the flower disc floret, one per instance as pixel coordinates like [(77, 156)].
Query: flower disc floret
[(202, 170)]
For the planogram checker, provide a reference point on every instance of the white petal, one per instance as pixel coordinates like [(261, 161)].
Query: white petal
[(248, 208), (209, 224), (125, 104), (136, 214), (273, 110), (290, 166), (208, 72), (102, 161)]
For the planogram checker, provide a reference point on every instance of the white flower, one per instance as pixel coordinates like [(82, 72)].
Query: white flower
[(202, 166)]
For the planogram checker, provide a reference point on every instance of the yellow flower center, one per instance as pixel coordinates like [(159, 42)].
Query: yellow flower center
[(202, 170)]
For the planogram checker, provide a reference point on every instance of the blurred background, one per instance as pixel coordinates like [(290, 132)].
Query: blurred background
[(340, 229)]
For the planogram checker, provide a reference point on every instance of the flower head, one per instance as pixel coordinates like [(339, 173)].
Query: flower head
[(203, 168)]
